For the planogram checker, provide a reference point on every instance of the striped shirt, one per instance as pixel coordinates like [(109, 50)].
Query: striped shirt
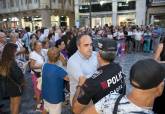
[(106, 106)]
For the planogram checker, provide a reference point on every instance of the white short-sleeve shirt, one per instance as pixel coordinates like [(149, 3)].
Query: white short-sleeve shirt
[(39, 59), (138, 36)]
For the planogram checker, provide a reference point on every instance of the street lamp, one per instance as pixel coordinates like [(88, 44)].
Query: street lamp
[(102, 2), (127, 1)]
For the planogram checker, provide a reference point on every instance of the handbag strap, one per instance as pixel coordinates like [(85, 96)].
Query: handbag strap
[(120, 96), (117, 103)]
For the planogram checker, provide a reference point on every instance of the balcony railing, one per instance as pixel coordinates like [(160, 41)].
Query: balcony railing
[(32, 6), (158, 1)]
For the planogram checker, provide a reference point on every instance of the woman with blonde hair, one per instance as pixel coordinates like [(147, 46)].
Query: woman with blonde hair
[(12, 77), (36, 62), (53, 78)]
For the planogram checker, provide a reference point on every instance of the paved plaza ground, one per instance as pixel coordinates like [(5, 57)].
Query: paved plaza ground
[(28, 103)]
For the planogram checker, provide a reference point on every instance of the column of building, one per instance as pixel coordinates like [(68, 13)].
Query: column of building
[(77, 16), (46, 18), (114, 12), (72, 14), (140, 12), (72, 19)]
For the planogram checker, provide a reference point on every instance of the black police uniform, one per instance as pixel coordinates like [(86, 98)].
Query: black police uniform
[(107, 79)]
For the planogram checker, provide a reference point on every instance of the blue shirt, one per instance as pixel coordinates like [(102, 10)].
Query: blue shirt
[(53, 83), (147, 36), (157, 32), (26, 40)]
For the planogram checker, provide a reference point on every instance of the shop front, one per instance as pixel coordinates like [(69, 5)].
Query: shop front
[(126, 19)]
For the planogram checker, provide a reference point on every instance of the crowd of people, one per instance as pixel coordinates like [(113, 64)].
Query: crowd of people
[(64, 60)]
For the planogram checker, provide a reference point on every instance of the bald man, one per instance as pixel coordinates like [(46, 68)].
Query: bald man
[(82, 63)]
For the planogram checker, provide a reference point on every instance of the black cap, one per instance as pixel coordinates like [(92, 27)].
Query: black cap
[(107, 45), (147, 74)]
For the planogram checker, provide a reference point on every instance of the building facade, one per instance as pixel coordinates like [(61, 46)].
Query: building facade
[(156, 12), (42, 13), (111, 12)]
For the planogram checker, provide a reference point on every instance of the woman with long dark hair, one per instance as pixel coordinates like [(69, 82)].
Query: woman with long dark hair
[(12, 76)]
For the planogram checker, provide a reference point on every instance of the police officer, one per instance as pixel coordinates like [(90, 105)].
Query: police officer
[(107, 79)]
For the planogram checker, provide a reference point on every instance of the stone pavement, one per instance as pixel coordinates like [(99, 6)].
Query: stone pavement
[(126, 61)]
